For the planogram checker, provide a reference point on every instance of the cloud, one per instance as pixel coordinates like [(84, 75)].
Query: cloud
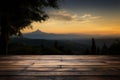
[(89, 16), (67, 16), (63, 15)]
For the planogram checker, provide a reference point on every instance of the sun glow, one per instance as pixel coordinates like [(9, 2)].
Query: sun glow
[(64, 22)]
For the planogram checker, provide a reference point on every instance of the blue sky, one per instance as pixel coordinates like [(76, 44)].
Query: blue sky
[(92, 6)]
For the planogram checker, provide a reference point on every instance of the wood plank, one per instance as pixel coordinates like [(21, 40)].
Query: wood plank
[(61, 78), (59, 73), (32, 67)]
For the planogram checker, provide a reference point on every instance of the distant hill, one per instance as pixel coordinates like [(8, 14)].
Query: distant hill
[(44, 43), (50, 36), (66, 47), (99, 41), (76, 48)]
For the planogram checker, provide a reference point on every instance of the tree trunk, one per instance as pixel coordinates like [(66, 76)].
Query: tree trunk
[(4, 38)]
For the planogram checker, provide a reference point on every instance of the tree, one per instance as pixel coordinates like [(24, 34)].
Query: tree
[(87, 51), (104, 49), (98, 50), (115, 48), (19, 14), (93, 47), (56, 44)]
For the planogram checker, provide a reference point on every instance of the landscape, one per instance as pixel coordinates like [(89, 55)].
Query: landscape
[(59, 39), (42, 43)]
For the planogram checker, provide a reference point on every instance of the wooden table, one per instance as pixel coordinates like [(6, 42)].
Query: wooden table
[(60, 67)]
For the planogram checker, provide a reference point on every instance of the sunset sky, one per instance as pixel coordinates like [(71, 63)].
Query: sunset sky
[(82, 17)]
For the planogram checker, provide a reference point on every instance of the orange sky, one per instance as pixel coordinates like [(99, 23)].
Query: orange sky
[(83, 17), (65, 22)]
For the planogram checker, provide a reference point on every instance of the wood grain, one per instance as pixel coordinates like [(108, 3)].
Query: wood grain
[(60, 67)]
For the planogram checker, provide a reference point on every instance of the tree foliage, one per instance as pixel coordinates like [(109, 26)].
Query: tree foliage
[(115, 48), (19, 14), (93, 47)]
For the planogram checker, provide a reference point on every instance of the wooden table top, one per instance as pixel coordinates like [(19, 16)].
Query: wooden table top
[(60, 67)]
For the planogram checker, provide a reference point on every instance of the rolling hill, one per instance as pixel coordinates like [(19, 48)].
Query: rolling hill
[(50, 36)]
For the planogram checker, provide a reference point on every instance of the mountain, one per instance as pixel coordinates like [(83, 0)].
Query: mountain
[(42, 35), (51, 36)]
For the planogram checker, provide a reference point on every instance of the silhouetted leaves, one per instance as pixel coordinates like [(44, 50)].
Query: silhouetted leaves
[(19, 14), (115, 48)]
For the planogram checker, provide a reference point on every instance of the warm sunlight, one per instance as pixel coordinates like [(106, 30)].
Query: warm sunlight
[(102, 19), (59, 39)]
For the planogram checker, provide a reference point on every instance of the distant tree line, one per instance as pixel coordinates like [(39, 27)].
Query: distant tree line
[(57, 49), (113, 49), (17, 48), (60, 48)]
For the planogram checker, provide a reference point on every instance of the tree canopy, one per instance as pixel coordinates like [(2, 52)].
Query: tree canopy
[(18, 14)]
